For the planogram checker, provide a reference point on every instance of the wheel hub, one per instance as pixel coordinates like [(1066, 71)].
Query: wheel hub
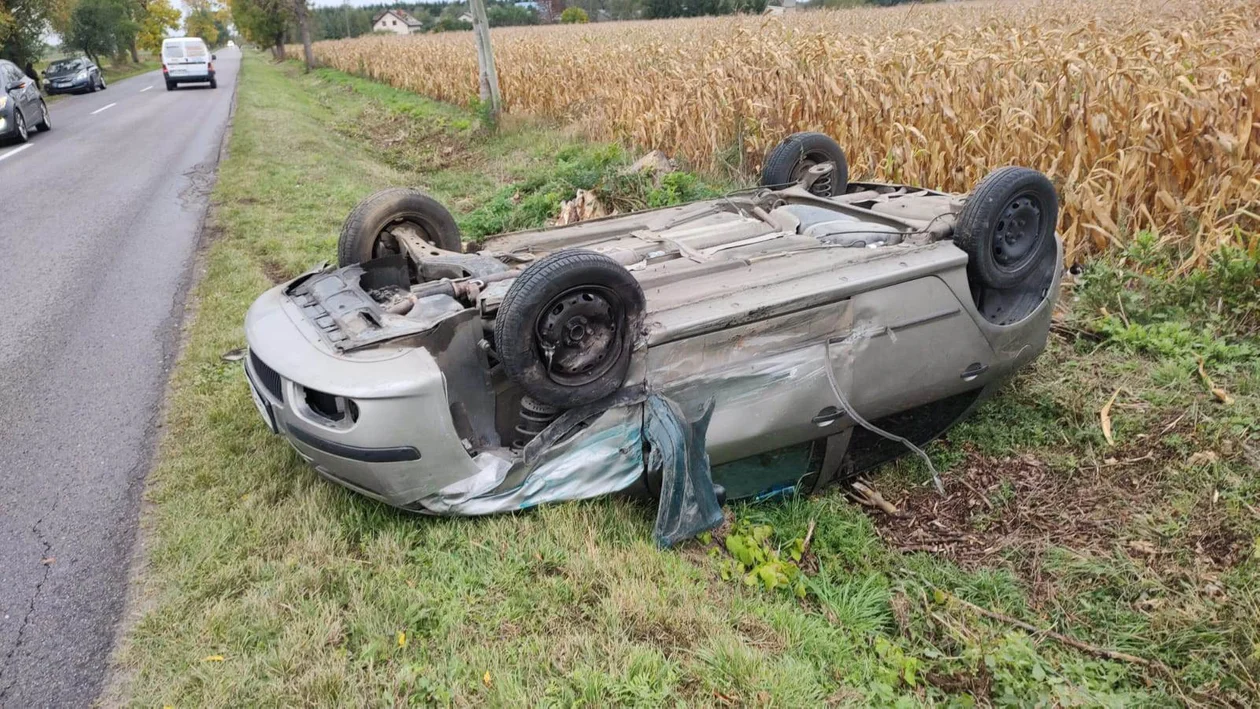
[(578, 334), (1017, 232)]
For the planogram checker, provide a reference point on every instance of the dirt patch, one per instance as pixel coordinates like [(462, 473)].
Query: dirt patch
[(406, 142), (759, 634), (1004, 511), (1217, 544), (994, 505), (978, 684), (275, 271)]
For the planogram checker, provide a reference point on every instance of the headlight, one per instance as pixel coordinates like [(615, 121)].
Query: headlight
[(81, 75), (4, 101)]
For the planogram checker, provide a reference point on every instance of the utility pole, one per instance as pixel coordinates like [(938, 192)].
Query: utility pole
[(489, 78)]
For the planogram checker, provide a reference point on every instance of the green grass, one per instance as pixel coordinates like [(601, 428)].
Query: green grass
[(265, 586), (116, 72)]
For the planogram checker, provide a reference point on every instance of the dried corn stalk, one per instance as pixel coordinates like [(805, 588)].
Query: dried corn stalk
[(1143, 112)]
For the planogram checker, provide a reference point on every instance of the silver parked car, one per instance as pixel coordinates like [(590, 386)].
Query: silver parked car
[(775, 339)]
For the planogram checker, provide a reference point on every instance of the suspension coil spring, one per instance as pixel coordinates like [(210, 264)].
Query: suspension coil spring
[(533, 418)]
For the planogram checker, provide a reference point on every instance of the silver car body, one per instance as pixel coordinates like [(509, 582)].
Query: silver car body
[(775, 310)]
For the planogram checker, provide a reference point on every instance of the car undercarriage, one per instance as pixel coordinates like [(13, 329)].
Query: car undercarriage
[(741, 346)]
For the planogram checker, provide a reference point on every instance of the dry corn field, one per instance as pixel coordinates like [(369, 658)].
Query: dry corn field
[(1143, 112)]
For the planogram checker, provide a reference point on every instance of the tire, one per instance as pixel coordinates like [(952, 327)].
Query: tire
[(170, 86), (563, 292), (361, 235), (21, 133), (45, 123), (94, 85), (101, 79), (788, 161), (1007, 226), (214, 84)]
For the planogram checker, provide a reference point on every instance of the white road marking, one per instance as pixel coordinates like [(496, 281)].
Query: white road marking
[(146, 88), (102, 108), (14, 151)]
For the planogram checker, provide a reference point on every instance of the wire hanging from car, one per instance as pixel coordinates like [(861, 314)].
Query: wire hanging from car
[(857, 418)]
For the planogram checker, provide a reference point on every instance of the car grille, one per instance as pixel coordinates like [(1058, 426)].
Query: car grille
[(267, 376)]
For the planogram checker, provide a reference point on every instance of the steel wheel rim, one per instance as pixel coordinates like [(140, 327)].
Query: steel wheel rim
[(579, 334), (1018, 232), (21, 127)]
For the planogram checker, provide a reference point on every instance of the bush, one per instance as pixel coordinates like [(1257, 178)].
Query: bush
[(574, 16), (1143, 300)]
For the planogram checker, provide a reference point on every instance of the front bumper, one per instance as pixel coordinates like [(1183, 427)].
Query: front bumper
[(397, 443), (72, 87)]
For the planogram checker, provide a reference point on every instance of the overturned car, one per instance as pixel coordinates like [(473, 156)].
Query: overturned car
[(776, 339)]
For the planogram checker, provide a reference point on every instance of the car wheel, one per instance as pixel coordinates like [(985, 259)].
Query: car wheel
[(45, 123), (1007, 226), (366, 233), (101, 78), (21, 134), (170, 86), (92, 87), (788, 162), (214, 84), (566, 327)]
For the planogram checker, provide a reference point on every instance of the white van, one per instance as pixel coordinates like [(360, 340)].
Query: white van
[(187, 60)]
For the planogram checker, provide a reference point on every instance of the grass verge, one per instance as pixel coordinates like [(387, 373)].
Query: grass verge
[(266, 586), (116, 72)]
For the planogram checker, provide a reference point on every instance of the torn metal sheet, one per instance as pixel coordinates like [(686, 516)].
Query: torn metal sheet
[(606, 457), (688, 501)]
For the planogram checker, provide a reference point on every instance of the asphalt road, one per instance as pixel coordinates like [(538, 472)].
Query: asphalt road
[(99, 226)]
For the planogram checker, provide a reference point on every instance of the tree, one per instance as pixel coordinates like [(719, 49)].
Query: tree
[(23, 24), (343, 21), (157, 16), (129, 27), (448, 20), (509, 15), (304, 27), (263, 22), (574, 16), (201, 21), (95, 27)]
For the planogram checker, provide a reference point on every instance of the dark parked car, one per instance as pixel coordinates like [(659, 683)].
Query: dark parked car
[(73, 76), (21, 107)]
